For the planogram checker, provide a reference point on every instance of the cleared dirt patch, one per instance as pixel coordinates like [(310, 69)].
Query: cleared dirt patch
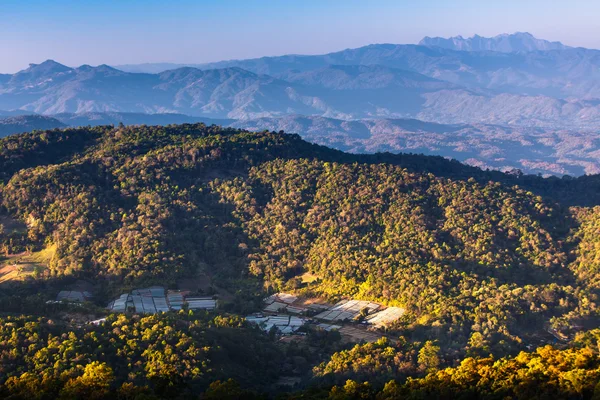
[(18, 267), (352, 334), (18, 272), (307, 277)]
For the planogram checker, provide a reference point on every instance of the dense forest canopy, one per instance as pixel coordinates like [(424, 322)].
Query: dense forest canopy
[(485, 263)]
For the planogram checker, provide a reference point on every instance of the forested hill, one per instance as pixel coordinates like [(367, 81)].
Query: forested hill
[(483, 262), (153, 203), (57, 146)]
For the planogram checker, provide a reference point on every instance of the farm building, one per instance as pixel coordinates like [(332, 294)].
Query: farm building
[(329, 327), (154, 300), (385, 317), (201, 303), (284, 302), (347, 310), (281, 298), (329, 315), (175, 300), (120, 304), (285, 324)]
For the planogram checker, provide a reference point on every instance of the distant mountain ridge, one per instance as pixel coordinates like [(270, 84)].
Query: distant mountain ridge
[(51, 88), (564, 73), (115, 118), (336, 90), (557, 88), (504, 43), (28, 123)]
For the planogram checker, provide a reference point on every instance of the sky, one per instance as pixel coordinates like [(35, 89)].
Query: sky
[(76, 32)]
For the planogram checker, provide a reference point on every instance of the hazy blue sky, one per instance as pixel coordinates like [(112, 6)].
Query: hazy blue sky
[(76, 32)]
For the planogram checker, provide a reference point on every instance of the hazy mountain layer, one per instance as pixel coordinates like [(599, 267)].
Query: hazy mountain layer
[(531, 67), (115, 118), (565, 73), (28, 123), (533, 150), (51, 88), (335, 91)]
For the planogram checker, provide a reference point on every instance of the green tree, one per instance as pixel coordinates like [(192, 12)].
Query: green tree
[(428, 358), (93, 384)]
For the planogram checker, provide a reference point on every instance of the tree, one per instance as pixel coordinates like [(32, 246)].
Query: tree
[(391, 391), (428, 358), (93, 384), (351, 391)]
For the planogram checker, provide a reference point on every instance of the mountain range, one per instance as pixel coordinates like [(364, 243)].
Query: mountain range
[(336, 91), (546, 69), (521, 102), (520, 41), (232, 92)]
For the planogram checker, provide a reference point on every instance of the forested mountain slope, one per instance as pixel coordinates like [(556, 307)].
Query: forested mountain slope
[(155, 203), (483, 262)]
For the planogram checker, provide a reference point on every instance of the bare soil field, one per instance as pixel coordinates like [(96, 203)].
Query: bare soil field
[(351, 334), (17, 267)]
